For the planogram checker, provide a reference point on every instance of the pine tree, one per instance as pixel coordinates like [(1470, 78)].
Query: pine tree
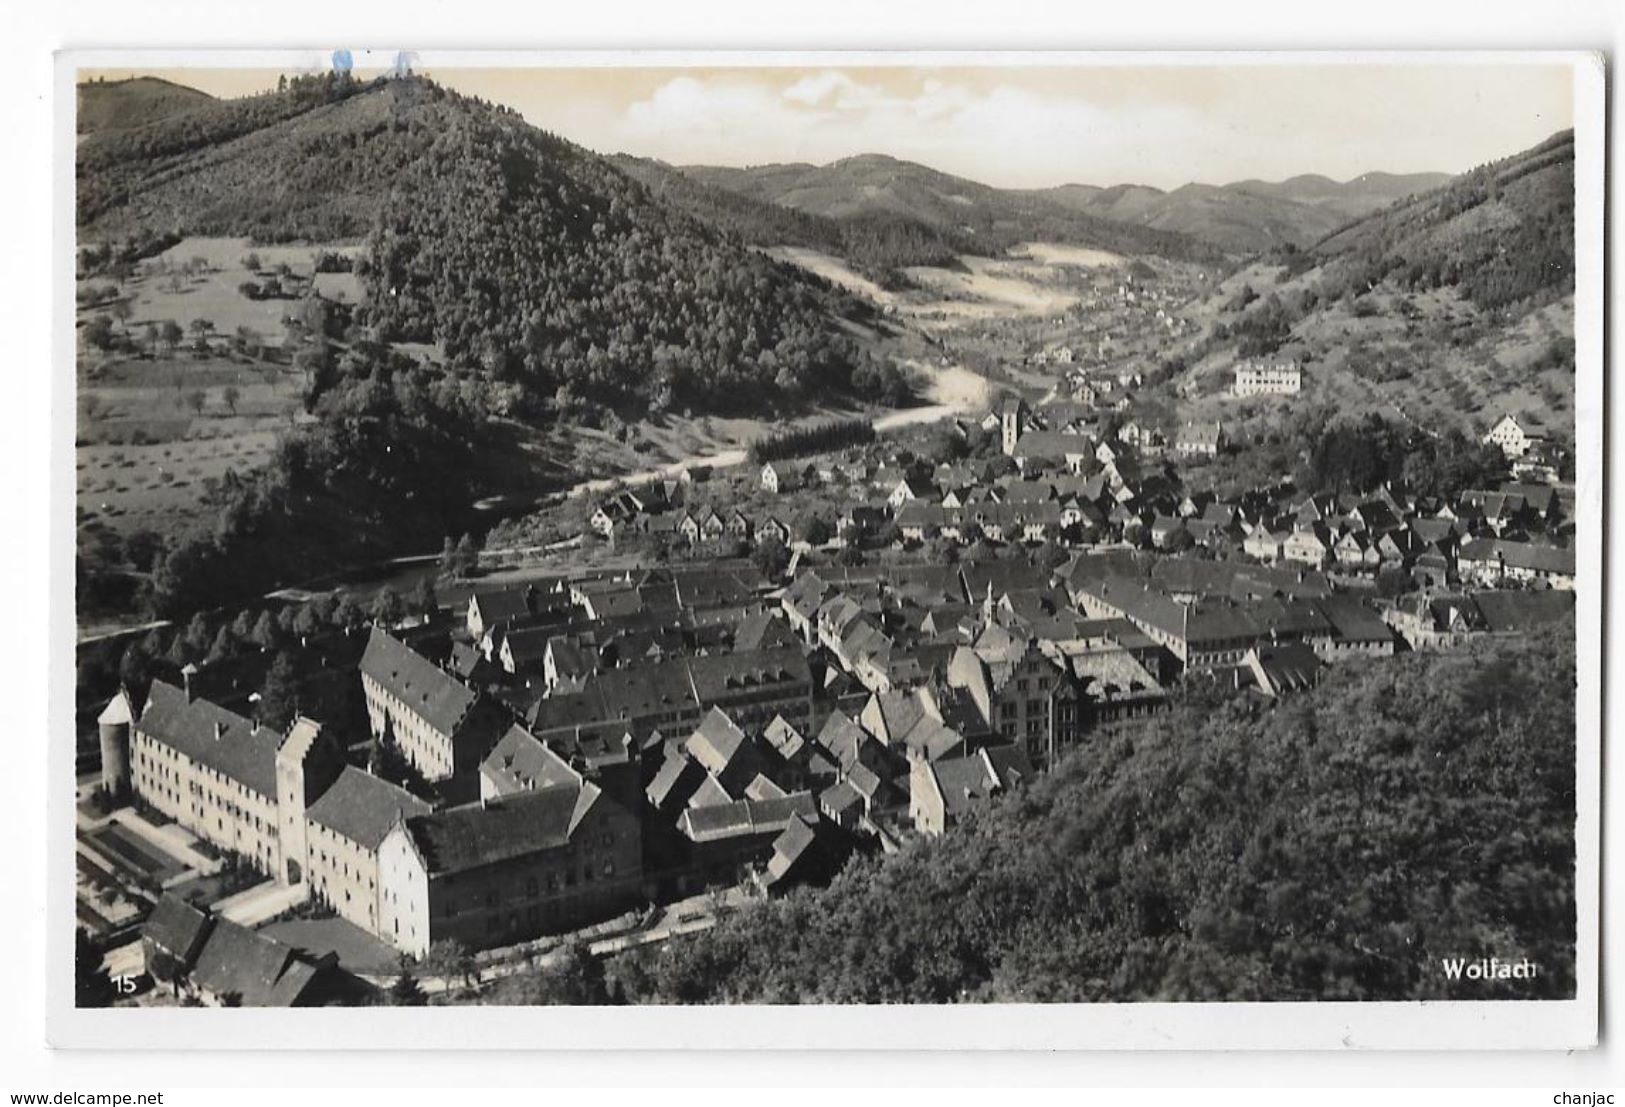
[(407, 992), (279, 699)]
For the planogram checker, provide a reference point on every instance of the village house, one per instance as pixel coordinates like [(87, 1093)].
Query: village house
[(942, 792), (1514, 437), (222, 964), (779, 477), (1277, 669), (1491, 562), (1308, 545), (1199, 440)]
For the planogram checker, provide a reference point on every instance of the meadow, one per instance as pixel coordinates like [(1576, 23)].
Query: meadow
[(157, 420)]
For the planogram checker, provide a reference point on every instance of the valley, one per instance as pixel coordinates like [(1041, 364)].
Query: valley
[(556, 575)]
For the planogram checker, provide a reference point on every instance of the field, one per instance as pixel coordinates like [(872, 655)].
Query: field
[(159, 421), (199, 278), (834, 270), (1050, 253), (1036, 280)]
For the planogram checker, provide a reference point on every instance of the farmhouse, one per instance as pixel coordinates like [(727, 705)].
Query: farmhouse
[(1513, 437)]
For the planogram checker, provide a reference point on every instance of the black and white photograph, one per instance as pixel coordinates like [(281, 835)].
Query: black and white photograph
[(655, 533)]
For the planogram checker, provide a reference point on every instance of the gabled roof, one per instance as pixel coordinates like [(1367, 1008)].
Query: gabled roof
[(521, 762), (964, 782), (710, 793), (507, 603), (716, 742), (716, 676), (362, 808), (1522, 611), (676, 779), (745, 818), (177, 928), (843, 738), (462, 838), (417, 682), (761, 788), (259, 971), (762, 630), (782, 735), (790, 846), (1519, 555), (1285, 668), (211, 736), (1353, 621)]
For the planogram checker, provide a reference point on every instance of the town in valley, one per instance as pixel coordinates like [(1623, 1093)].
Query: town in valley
[(448, 634)]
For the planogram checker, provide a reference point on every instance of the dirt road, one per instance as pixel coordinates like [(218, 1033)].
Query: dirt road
[(952, 390)]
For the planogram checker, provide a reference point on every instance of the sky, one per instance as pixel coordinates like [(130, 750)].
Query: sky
[(1034, 126)]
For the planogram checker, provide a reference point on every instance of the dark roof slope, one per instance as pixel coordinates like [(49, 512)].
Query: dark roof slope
[(259, 971), (416, 681), (745, 817), (482, 834), (176, 927), (362, 807), (212, 736), (1522, 611)]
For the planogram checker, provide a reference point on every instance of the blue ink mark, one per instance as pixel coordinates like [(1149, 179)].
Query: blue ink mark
[(341, 60)]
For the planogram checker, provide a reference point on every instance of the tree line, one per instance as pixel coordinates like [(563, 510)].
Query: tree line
[(837, 434)]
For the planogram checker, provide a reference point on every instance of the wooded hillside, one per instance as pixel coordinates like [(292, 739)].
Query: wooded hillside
[(1335, 846)]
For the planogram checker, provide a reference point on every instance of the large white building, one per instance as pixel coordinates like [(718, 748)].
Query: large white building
[(1279, 379)]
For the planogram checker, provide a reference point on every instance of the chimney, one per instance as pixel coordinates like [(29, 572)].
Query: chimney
[(219, 730)]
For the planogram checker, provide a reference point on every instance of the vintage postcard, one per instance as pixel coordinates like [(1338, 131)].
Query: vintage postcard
[(1007, 550)]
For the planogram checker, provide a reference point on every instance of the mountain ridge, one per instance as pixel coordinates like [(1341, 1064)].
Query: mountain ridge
[(527, 260)]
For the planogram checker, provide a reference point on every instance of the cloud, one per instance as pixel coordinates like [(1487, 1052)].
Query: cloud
[(1017, 128)]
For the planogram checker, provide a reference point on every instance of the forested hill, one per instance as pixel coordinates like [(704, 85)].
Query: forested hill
[(978, 218), (1502, 233), (527, 259), (122, 105), (1335, 846), (876, 243), (1248, 217), (1450, 308)]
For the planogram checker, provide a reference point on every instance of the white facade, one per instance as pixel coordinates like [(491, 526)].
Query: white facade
[(1281, 379), (1513, 439)]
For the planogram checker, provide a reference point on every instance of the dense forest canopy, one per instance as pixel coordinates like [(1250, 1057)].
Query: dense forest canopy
[(1334, 846), (879, 244), (1501, 234), (522, 256), (389, 455)]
